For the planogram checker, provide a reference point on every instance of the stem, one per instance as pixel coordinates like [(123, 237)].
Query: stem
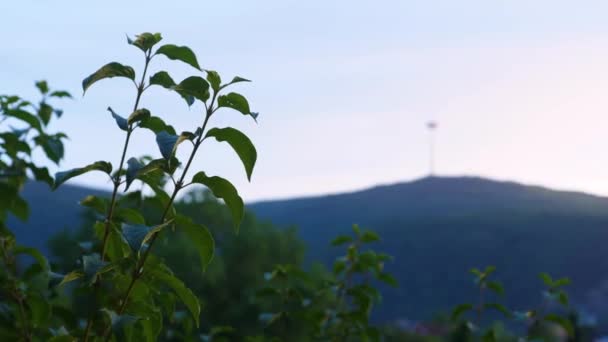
[(138, 271), (87, 330), (140, 90), (117, 182), (284, 308), (481, 304), (26, 333), (9, 263)]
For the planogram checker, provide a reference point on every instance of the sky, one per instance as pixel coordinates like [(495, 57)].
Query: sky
[(344, 88)]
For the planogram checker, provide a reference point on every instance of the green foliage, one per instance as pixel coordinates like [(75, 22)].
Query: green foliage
[(336, 307), (200, 237), (230, 278), (119, 271), (28, 295), (26, 123), (240, 143), (167, 143), (181, 53), (109, 70), (145, 41), (223, 189), (540, 321), (193, 87), (64, 176), (237, 102)]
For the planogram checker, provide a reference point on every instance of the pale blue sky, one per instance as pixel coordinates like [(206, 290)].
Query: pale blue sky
[(343, 88)]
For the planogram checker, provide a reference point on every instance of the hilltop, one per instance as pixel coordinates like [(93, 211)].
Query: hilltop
[(437, 228)]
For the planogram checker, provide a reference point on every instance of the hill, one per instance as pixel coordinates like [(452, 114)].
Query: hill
[(50, 212), (439, 228)]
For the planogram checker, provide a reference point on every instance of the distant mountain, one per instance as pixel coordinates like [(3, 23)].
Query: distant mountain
[(50, 212), (438, 228)]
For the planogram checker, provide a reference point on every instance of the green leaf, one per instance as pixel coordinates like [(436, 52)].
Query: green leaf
[(120, 121), (162, 79), (51, 145), (162, 199), (221, 188), (200, 236), (461, 309), (561, 282), (546, 279), (145, 41), (27, 117), (489, 336), (341, 239), (41, 174), (240, 143), (61, 94), (356, 230), (151, 326), (120, 322), (133, 167), (33, 252), (58, 112), (62, 177), (61, 331), (108, 71), (496, 287), (373, 334), (92, 265), (181, 53), (220, 331), (236, 79), (369, 236), (388, 279), (40, 309), (489, 270), (70, 277), (278, 317), (339, 266), (562, 298), (156, 125), (184, 293), (45, 112), (116, 247), (20, 208), (214, 79), (499, 307), (138, 115), (43, 87), (129, 215), (167, 143), (138, 234), (237, 102), (561, 321), (12, 145), (193, 86), (154, 165)]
